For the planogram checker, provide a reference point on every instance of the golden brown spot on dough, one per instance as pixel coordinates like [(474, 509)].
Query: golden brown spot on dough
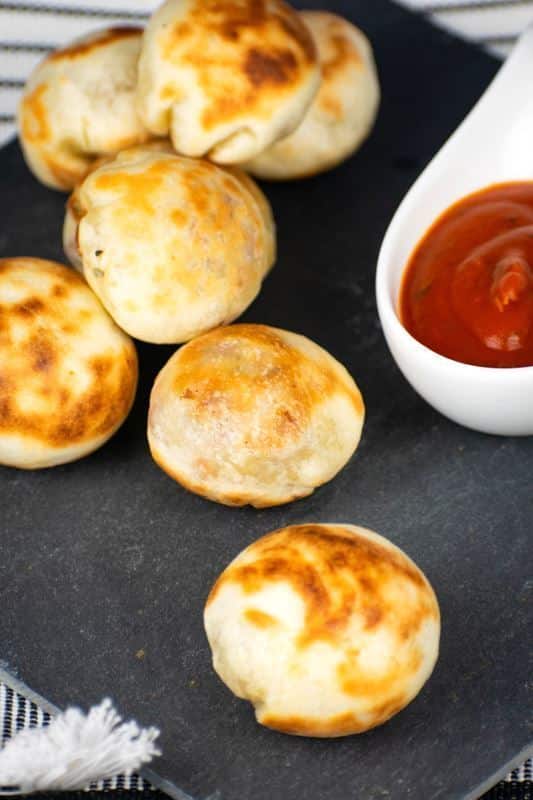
[(136, 190), (184, 196), (228, 184), (243, 16), (366, 583), (225, 19), (294, 26), (34, 118), (276, 68), (234, 499), (384, 711), (179, 217), (59, 290), (227, 498), (199, 197), (76, 419), (206, 469), (223, 109), (286, 423), (67, 177), (72, 279), (101, 365), (170, 92), (328, 569), (408, 628), (43, 353), (29, 307), (259, 618), (106, 37), (331, 105), (236, 48), (357, 681), (230, 369), (31, 366), (104, 404), (344, 53), (373, 616), (229, 211), (120, 144), (181, 30), (340, 725), (74, 206)]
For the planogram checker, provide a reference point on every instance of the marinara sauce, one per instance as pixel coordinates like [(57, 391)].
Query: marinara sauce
[(467, 291)]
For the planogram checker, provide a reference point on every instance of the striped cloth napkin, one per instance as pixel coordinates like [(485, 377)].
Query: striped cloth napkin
[(29, 29)]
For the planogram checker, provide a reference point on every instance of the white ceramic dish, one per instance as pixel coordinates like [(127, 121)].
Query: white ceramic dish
[(494, 144)]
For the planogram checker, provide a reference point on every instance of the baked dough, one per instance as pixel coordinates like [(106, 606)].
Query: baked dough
[(327, 629), (252, 414), (74, 211), (226, 78), (343, 112), (68, 374), (172, 246), (79, 103)]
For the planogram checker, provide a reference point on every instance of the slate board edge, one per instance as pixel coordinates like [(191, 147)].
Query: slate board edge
[(500, 774), (178, 794), (21, 688)]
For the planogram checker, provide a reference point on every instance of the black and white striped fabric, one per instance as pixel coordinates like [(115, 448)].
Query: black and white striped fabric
[(18, 713), (494, 24), (30, 28)]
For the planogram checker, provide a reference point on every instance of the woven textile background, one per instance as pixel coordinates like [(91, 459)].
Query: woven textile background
[(28, 30)]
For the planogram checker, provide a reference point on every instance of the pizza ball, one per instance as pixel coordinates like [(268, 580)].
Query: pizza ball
[(250, 414), (79, 103), (68, 374), (343, 112), (74, 212), (328, 630), (172, 246), (226, 78)]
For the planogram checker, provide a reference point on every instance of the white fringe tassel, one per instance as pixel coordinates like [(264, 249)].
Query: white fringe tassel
[(74, 750)]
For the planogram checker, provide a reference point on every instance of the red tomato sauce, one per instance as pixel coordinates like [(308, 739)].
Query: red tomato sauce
[(467, 291)]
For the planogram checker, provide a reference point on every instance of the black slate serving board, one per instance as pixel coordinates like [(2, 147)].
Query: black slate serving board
[(108, 557)]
